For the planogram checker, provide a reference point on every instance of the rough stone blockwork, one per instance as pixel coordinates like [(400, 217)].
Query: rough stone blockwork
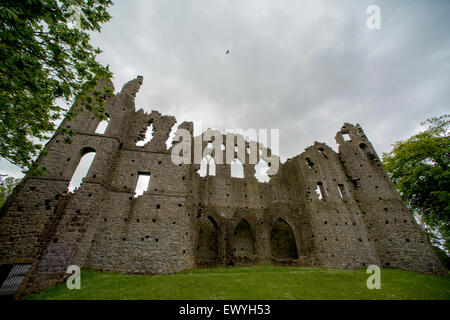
[(184, 220)]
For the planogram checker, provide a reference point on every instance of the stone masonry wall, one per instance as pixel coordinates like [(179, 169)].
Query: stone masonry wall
[(185, 220)]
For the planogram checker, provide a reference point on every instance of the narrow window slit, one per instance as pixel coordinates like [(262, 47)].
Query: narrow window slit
[(320, 190)]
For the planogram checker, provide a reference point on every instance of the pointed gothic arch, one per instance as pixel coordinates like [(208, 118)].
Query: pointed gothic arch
[(243, 240), (208, 240), (207, 166), (87, 156), (103, 125), (282, 240)]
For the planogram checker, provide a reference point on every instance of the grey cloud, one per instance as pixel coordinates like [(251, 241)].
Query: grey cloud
[(304, 67)]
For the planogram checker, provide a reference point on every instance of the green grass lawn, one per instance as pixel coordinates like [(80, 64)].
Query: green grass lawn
[(258, 282)]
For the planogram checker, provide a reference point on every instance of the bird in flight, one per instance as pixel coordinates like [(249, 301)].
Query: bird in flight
[(228, 51)]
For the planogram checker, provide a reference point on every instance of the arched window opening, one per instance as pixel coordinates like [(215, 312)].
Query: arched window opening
[(102, 126), (203, 171), (237, 169), (346, 137), (211, 166), (282, 239), (261, 171), (142, 183), (243, 240), (207, 166), (148, 136), (82, 169)]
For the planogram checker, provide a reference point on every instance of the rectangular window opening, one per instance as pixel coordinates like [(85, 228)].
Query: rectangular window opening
[(346, 137), (320, 190), (142, 183)]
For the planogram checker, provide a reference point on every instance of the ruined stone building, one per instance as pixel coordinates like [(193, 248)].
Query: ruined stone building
[(321, 208)]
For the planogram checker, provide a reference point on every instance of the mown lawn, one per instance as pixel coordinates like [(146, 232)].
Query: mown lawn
[(258, 282)]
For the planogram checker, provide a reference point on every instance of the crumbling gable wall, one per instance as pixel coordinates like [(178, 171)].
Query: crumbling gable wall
[(184, 220), (392, 230)]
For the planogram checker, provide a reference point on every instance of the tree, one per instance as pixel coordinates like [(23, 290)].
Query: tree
[(46, 59), (419, 167), (7, 185)]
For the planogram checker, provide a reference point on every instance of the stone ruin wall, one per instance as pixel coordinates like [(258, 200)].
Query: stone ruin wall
[(184, 220)]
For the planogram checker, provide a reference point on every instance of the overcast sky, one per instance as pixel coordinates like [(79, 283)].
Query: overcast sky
[(303, 67)]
